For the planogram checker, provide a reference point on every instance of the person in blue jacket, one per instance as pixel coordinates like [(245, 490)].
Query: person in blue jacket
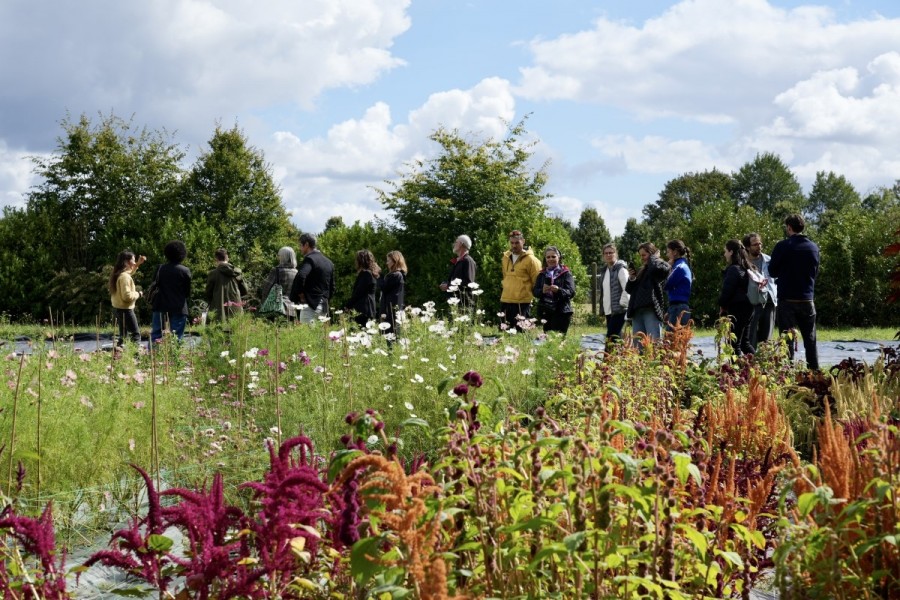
[(795, 265), (678, 284)]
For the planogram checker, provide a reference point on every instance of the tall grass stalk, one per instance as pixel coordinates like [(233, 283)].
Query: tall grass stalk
[(277, 393), (154, 440), (40, 464), (12, 435)]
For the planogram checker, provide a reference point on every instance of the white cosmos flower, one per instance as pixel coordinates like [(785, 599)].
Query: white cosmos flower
[(472, 285), (224, 354), (477, 292), (417, 378), (384, 326), (251, 353), (408, 405), (373, 439), (527, 372), (456, 281), (452, 301)]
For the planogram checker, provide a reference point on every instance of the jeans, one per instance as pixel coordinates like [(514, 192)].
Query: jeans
[(127, 321), (644, 320), (176, 322), (801, 315), (762, 323), (679, 313)]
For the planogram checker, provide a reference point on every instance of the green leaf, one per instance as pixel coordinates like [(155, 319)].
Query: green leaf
[(682, 464), (363, 555), (573, 541), (806, 502), (341, 459), (697, 538), (416, 422), (555, 549), (159, 543)]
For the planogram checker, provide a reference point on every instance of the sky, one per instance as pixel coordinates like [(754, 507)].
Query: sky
[(341, 95)]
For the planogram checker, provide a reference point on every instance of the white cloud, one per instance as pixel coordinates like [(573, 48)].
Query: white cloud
[(185, 63), (15, 176), (334, 174), (656, 154)]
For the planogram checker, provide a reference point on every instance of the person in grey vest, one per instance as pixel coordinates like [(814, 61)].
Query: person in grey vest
[(762, 323), (613, 298)]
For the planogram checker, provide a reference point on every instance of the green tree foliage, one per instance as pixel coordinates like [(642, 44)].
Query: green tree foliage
[(107, 187), (231, 186), (854, 277), (590, 235), (635, 233), (483, 189), (680, 197), (340, 243), (830, 195), (767, 185)]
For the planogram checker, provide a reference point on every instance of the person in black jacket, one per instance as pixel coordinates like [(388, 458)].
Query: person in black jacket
[(462, 272), (313, 286), (733, 300), (362, 298), (795, 265), (393, 286), (647, 304), (170, 305), (554, 289)]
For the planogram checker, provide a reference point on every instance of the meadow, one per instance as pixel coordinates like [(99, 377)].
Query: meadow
[(326, 462)]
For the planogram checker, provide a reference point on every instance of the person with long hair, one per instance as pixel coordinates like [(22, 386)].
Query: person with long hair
[(733, 300), (123, 295), (362, 298), (283, 275), (678, 283), (647, 304), (392, 284), (170, 307), (554, 289)]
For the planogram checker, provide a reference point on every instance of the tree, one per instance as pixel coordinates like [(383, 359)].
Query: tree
[(767, 185), (681, 196), (635, 233), (830, 194), (590, 235), (481, 188), (232, 187), (107, 187)]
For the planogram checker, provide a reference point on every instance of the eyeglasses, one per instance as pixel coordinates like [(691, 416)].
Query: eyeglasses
[(756, 244)]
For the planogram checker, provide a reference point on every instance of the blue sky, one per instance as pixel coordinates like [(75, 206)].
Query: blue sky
[(340, 94)]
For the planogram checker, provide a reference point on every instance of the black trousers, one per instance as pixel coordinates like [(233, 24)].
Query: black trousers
[(128, 323), (512, 310), (802, 316)]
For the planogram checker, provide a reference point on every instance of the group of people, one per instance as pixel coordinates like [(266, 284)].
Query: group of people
[(654, 295), (758, 290)]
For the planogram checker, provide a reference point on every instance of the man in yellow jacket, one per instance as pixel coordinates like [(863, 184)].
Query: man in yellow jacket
[(520, 271)]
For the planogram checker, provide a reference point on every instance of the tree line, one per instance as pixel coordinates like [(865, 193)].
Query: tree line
[(110, 185)]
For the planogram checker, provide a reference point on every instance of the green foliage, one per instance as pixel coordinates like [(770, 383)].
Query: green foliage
[(768, 186), (680, 197), (635, 233), (341, 243), (231, 186), (481, 188), (590, 236), (831, 194)]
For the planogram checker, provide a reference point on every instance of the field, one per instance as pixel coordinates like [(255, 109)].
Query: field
[(452, 462)]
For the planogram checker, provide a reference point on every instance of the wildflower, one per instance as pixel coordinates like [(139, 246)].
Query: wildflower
[(387, 388), (452, 301), (274, 430), (131, 444), (323, 319), (461, 389), (442, 367), (527, 372), (456, 281), (373, 439), (404, 357), (336, 335), (224, 354), (85, 401), (232, 362), (338, 312), (138, 405), (472, 285), (263, 352), (251, 353), (303, 357), (424, 359), (53, 354), (84, 357), (474, 379), (138, 377), (463, 318), (384, 326), (408, 405), (477, 292), (417, 378)]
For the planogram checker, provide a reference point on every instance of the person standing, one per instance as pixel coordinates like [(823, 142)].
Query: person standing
[(795, 265), (462, 272), (224, 288), (678, 284), (123, 295), (392, 284), (554, 288), (762, 323), (314, 284), (283, 275), (362, 298), (646, 307), (613, 297), (520, 270), (170, 305), (733, 300)]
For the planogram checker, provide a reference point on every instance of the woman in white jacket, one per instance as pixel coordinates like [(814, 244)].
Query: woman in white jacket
[(614, 298)]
